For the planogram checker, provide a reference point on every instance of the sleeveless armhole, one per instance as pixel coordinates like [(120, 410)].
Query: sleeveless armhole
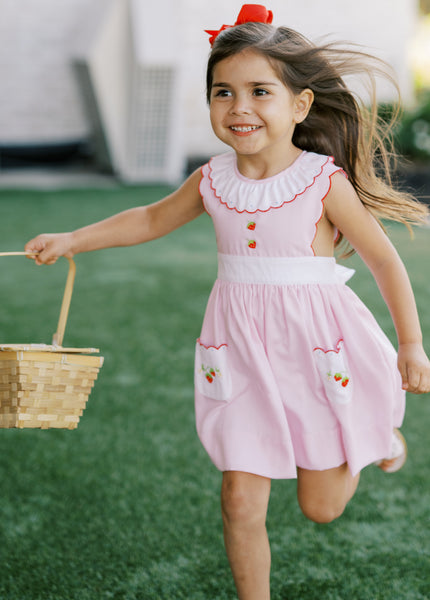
[(204, 184), (332, 170), (335, 229)]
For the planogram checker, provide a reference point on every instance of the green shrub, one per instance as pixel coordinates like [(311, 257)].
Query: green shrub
[(412, 132), (413, 135)]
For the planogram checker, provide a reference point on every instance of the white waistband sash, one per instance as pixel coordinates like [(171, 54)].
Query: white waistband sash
[(282, 270)]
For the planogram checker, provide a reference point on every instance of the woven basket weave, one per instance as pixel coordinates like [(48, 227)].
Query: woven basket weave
[(45, 386)]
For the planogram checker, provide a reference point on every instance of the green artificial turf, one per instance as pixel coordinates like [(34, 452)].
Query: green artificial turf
[(126, 507)]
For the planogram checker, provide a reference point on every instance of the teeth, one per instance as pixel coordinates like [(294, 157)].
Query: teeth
[(245, 129)]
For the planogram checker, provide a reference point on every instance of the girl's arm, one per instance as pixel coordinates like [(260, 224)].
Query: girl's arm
[(133, 226), (346, 212)]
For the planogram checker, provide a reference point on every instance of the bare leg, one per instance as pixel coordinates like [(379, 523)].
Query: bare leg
[(244, 500), (323, 495)]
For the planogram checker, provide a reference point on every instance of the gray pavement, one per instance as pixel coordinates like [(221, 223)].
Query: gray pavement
[(55, 179)]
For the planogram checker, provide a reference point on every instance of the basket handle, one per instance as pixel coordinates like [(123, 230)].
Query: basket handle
[(58, 336)]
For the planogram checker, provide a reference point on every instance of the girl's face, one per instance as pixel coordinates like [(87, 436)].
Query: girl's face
[(252, 110)]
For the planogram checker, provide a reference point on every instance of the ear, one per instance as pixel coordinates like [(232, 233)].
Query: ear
[(302, 105)]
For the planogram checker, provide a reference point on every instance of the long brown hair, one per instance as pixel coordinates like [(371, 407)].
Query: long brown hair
[(339, 123)]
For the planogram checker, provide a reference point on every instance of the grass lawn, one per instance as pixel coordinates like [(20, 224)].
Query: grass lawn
[(126, 507)]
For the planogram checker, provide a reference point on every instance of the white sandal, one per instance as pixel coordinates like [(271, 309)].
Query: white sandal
[(397, 458)]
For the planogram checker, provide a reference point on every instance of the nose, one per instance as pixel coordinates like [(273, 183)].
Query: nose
[(240, 105)]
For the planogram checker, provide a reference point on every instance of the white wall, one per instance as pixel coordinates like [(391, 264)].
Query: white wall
[(111, 69), (40, 100)]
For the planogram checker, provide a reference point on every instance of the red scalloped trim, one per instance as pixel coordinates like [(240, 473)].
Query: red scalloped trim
[(337, 350), (339, 170), (215, 347), (329, 159)]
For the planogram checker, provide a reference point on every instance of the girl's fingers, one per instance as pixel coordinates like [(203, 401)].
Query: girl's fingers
[(50, 246), (425, 383), (35, 245), (414, 377), (414, 367), (42, 244), (417, 381), (404, 374)]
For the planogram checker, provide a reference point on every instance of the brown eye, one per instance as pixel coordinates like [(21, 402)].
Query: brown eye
[(222, 93)]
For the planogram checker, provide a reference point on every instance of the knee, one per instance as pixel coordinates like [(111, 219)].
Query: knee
[(240, 508), (321, 512), (323, 495)]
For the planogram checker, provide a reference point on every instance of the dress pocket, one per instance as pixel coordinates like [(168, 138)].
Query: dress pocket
[(333, 369), (212, 373)]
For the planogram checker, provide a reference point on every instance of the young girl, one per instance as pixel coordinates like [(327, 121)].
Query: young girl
[(293, 376)]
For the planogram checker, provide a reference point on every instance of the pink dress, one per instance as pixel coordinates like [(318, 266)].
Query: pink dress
[(291, 368)]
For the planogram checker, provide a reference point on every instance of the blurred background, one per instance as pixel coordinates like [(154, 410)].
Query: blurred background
[(117, 86), (102, 108)]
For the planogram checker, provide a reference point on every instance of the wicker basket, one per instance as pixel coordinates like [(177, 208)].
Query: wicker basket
[(46, 386)]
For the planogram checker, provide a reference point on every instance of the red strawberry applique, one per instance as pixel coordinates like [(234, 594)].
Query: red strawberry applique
[(252, 244), (339, 377), (210, 373), (251, 225)]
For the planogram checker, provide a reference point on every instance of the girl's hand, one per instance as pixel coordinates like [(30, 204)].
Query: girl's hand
[(414, 367), (50, 247)]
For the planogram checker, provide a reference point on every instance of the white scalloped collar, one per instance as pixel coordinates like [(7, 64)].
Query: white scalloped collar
[(251, 195)]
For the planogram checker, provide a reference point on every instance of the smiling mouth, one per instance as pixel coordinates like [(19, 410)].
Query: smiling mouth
[(244, 128)]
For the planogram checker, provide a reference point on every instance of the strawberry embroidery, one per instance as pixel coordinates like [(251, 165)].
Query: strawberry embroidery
[(210, 373), (333, 367), (340, 377), (252, 244), (251, 225)]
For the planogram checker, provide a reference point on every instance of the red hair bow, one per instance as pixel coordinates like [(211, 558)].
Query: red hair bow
[(249, 13)]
